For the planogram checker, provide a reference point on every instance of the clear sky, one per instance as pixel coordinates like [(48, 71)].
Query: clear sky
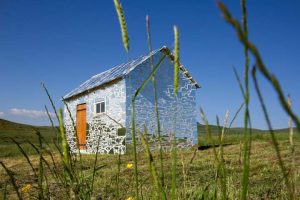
[(66, 42)]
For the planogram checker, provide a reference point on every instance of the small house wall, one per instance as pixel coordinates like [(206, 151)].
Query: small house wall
[(177, 114), (101, 128)]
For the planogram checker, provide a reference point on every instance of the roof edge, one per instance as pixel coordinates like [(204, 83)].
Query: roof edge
[(163, 49), (92, 89), (167, 51)]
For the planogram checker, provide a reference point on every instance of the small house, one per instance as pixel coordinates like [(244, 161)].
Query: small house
[(97, 114)]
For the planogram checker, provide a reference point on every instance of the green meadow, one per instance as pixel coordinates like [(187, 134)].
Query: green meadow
[(196, 173), (21, 133)]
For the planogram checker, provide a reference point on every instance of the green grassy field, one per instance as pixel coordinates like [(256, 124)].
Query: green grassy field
[(21, 133), (235, 135), (196, 168)]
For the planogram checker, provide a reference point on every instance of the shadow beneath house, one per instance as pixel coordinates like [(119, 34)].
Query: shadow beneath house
[(205, 147)]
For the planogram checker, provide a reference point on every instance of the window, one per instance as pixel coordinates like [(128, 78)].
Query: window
[(100, 107)]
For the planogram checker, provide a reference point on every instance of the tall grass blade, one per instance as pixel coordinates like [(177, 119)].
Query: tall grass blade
[(58, 149), (25, 155), (208, 132), (176, 60), (42, 139), (65, 145), (141, 87), (153, 171), (51, 121), (46, 187), (193, 156), (52, 125), (218, 162), (174, 163), (118, 176), (123, 26), (136, 180), (222, 135), (235, 116), (161, 171), (145, 82), (273, 137), (221, 167), (246, 95), (245, 30), (41, 169), (12, 179), (65, 151), (184, 174), (95, 164), (53, 107), (176, 86), (54, 170), (40, 179), (4, 194), (71, 117), (50, 99), (76, 136), (259, 63), (293, 164), (239, 82)]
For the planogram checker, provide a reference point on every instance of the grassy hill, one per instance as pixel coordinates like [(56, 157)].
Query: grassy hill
[(21, 133), (24, 132), (235, 135), (9, 126), (237, 130), (18, 131)]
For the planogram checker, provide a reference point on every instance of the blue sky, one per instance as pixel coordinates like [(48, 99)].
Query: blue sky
[(65, 42)]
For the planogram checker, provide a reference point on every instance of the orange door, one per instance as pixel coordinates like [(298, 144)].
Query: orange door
[(81, 125)]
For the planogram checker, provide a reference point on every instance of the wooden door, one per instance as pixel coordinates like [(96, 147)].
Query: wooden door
[(81, 125)]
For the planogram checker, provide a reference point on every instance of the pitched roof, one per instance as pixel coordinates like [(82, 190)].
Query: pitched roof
[(117, 72)]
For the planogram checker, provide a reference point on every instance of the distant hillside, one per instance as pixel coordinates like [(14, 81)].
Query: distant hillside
[(20, 132), (8, 126), (214, 130), (14, 128), (24, 132)]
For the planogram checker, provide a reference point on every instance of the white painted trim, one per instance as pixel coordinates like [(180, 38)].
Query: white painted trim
[(105, 107)]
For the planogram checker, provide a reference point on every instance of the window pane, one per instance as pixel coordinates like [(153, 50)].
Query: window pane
[(98, 108), (102, 107)]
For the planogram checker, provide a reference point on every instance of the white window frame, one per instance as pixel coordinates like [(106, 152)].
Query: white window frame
[(95, 107)]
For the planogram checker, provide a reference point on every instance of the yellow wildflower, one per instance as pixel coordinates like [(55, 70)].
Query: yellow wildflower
[(130, 198), (26, 188), (129, 166)]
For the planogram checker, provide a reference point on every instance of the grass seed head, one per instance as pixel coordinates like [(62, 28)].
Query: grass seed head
[(123, 26), (176, 60)]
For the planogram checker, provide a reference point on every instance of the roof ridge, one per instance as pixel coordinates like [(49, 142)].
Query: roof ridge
[(111, 74), (120, 71), (131, 61)]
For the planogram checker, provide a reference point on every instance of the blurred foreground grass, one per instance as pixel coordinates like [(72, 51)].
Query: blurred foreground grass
[(196, 168)]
